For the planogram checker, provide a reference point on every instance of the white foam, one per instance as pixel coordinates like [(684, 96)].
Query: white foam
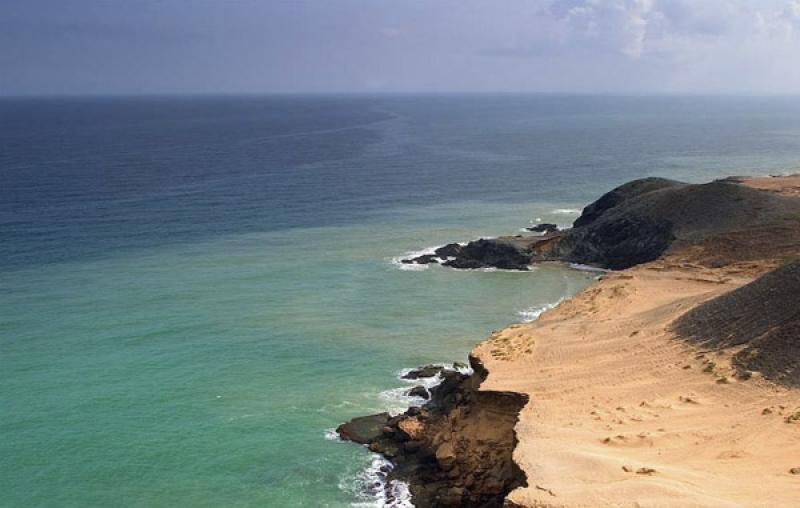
[(533, 313), (397, 400), (492, 269), (587, 268), (566, 211), (414, 267), (370, 486), (372, 489), (332, 435)]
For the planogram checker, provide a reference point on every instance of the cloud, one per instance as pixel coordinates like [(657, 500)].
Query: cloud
[(410, 45)]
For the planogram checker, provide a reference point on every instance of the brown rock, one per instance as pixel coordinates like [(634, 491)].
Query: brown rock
[(412, 446), (364, 429), (446, 456), (452, 496)]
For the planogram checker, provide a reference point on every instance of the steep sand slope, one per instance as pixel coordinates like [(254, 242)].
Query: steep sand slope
[(614, 395)]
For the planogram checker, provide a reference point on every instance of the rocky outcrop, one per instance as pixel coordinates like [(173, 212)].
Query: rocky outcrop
[(423, 372), (490, 254), (642, 220), (456, 450), (544, 227), (762, 317)]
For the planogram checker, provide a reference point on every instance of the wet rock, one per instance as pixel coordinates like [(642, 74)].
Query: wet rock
[(544, 227), (490, 254), (419, 391), (456, 450), (364, 429), (423, 372), (449, 251), (426, 259)]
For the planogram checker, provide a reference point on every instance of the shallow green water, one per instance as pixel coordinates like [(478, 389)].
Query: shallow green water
[(207, 374)]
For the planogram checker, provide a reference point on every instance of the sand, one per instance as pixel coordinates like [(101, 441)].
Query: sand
[(623, 413), (787, 185)]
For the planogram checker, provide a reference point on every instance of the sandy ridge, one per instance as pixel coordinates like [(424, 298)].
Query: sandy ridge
[(623, 413)]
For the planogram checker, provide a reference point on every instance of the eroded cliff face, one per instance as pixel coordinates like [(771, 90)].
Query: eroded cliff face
[(457, 449)]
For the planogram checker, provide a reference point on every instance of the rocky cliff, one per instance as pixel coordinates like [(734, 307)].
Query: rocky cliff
[(642, 220)]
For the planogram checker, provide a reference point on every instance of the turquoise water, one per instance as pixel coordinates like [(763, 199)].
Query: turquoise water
[(195, 291), (207, 374)]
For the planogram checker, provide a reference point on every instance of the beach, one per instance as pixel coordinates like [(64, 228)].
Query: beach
[(620, 406)]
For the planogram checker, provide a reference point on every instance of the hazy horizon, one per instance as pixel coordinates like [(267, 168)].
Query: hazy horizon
[(617, 47)]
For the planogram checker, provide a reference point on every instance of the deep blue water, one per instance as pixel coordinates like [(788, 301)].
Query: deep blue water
[(194, 290), (92, 176)]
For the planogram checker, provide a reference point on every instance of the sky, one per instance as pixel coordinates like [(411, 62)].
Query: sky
[(66, 47)]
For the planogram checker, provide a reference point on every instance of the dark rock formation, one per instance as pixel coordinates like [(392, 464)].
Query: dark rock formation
[(457, 449), (763, 316), (364, 429), (644, 219), (425, 259), (449, 250), (490, 254), (544, 227), (421, 372), (619, 195), (419, 391)]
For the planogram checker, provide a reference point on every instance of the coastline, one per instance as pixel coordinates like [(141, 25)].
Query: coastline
[(614, 407), (623, 411)]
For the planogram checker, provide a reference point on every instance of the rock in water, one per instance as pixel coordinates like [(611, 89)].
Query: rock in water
[(544, 227), (490, 254), (364, 429), (422, 372), (419, 391)]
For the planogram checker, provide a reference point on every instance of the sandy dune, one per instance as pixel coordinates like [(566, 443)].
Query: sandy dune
[(786, 185), (623, 413)]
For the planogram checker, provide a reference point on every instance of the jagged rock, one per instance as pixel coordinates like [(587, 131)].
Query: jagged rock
[(423, 372), (419, 391), (449, 250), (425, 259), (490, 253), (413, 411), (412, 446), (364, 429), (544, 227), (641, 220), (446, 456), (452, 496)]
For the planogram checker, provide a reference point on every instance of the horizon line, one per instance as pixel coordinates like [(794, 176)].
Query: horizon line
[(333, 93)]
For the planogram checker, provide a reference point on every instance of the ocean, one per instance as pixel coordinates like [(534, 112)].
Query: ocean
[(195, 291)]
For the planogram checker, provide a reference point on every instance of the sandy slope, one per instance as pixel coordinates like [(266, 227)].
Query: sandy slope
[(786, 185), (612, 392)]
